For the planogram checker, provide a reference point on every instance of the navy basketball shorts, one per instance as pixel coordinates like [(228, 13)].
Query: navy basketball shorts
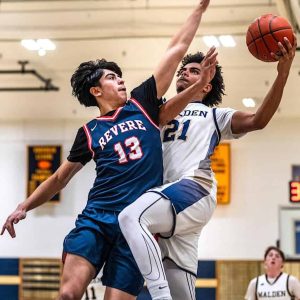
[(102, 244)]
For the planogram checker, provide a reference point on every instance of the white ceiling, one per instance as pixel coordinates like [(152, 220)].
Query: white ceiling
[(134, 33)]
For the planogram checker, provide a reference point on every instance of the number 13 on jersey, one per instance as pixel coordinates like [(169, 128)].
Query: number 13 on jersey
[(133, 144)]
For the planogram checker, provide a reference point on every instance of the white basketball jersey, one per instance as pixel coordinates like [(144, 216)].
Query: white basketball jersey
[(190, 139), (275, 290)]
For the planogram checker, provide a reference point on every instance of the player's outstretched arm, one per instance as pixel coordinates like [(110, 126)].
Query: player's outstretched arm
[(177, 48), (176, 104), (42, 194), (243, 122)]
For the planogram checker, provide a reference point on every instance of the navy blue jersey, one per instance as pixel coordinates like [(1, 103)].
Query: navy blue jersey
[(126, 147)]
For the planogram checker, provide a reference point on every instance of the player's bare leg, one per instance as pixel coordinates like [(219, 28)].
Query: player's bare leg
[(77, 274), (113, 294)]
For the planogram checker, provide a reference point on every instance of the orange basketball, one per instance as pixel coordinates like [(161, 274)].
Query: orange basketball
[(264, 34)]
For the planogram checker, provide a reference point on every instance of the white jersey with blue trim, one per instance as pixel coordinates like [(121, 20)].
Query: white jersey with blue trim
[(190, 139), (283, 287)]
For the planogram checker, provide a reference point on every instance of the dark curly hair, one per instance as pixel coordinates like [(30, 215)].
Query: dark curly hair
[(277, 250), (87, 75), (214, 97)]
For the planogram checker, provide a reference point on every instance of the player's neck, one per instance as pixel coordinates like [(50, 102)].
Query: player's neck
[(273, 273), (106, 107), (197, 99)]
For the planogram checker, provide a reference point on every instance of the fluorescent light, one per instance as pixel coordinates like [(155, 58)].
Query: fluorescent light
[(211, 40), (249, 102), (227, 41), (30, 44), (46, 44), (42, 52), (224, 40)]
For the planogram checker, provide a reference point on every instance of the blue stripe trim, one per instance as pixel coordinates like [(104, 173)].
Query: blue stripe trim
[(184, 193), (212, 145), (216, 124)]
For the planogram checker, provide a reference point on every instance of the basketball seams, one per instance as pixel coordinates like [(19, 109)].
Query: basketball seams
[(265, 43), (273, 31), (253, 41)]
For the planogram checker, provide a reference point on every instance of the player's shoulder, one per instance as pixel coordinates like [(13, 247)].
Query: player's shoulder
[(292, 277), (90, 124)]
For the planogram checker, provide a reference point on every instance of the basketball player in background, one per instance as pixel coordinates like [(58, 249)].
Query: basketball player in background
[(125, 144), (180, 209), (274, 284)]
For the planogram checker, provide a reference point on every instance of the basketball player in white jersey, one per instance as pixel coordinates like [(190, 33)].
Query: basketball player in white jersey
[(274, 284), (180, 209)]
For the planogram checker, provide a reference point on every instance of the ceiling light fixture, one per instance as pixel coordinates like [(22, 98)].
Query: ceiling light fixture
[(227, 41), (217, 41), (211, 40), (40, 45), (249, 102)]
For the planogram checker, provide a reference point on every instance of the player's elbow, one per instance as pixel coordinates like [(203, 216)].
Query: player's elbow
[(259, 125), (163, 117), (163, 121), (59, 181)]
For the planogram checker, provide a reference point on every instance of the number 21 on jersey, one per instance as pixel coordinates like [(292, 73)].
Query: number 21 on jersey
[(171, 132)]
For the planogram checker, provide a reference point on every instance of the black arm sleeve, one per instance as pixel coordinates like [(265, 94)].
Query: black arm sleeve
[(80, 151), (146, 95)]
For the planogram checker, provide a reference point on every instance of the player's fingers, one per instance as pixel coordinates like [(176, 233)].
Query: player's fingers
[(212, 60), (9, 227), (210, 52), (11, 230), (3, 229), (276, 57), (288, 43), (282, 49), (295, 41)]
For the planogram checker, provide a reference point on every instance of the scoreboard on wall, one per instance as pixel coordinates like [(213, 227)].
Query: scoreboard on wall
[(295, 191), (220, 162)]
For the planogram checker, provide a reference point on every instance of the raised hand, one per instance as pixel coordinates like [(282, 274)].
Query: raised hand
[(208, 66), (14, 218), (287, 55), (204, 4)]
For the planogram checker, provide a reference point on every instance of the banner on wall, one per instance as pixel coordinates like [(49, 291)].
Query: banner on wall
[(220, 162), (43, 161)]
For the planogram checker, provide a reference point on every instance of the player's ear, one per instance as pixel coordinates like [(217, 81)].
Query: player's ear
[(96, 91), (207, 88)]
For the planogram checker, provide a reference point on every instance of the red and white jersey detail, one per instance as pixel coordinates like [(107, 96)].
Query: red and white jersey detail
[(144, 112), (89, 139)]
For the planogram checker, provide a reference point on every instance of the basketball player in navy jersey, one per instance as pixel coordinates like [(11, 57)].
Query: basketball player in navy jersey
[(180, 209), (274, 284), (125, 144)]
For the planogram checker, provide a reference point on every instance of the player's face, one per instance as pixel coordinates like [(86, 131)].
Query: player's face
[(273, 260), (188, 75), (113, 87)]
